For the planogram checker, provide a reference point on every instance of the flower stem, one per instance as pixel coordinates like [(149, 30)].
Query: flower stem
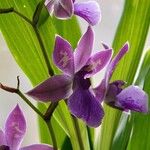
[(20, 94), (50, 110), (77, 128), (29, 103), (35, 28), (48, 122), (50, 70), (22, 16), (49, 125), (89, 137)]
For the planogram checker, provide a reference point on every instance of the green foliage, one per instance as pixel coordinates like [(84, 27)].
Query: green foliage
[(133, 27), (26, 49)]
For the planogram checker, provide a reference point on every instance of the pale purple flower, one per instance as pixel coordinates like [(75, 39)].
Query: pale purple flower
[(131, 98), (14, 131), (75, 84), (64, 9)]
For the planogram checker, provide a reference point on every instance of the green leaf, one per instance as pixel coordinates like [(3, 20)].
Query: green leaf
[(23, 42), (143, 70), (140, 127), (68, 29), (126, 124), (133, 27), (25, 48), (122, 135)]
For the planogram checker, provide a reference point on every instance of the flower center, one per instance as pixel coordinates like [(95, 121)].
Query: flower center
[(4, 147), (80, 82)]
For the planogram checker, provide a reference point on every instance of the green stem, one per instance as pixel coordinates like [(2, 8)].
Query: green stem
[(49, 125), (50, 110), (47, 121), (7, 10), (89, 137), (77, 128), (12, 10), (23, 17), (29, 103), (50, 70)]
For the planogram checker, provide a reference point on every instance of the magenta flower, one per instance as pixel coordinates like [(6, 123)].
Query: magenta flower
[(75, 84), (131, 98), (15, 128), (64, 9)]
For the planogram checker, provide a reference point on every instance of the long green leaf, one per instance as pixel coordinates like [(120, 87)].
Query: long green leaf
[(143, 70), (140, 127), (133, 27), (23, 43), (26, 50), (126, 125)]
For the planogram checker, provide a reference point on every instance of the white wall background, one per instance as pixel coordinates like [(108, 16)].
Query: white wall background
[(111, 12)]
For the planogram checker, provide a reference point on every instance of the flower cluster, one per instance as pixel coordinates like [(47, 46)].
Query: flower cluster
[(64, 9), (74, 83)]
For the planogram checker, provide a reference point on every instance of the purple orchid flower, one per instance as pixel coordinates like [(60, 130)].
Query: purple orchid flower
[(64, 9), (75, 84), (131, 98), (15, 128)]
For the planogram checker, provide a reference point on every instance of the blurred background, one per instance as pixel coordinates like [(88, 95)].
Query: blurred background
[(111, 12)]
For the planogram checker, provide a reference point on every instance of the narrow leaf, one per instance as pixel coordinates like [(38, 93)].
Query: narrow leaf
[(133, 27)]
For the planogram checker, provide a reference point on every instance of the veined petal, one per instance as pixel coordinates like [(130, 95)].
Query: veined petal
[(100, 91), (113, 90), (133, 98), (53, 89), (49, 5), (63, 55), (83, 105), (37, 147), (84, 49), (63, 9), (115, 61), (97, 62), (2, 138), (90, 11), (15, 128)]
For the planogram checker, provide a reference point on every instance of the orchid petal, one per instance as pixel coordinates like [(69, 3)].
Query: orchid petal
[(113, 90), (53, 89), (63, 9), (89, 11), (100, 91), (63, 55), (84, 49), (97, 62), (4, 147), (37, 147), (49, 5), (15, 128), (2, 138), (115, 61), (83, 105), (133, 98)]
